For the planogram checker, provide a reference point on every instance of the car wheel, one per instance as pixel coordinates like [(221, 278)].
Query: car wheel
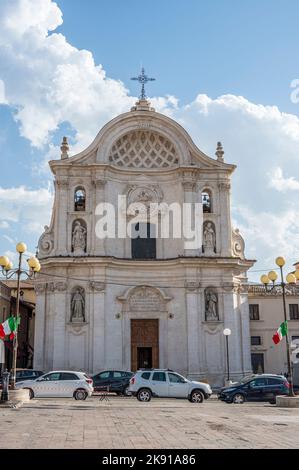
[(238, 399), (144, 395), (80, 394), (126, 392), (31, 393), (197, 396)]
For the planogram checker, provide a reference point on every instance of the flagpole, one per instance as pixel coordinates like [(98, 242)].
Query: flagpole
[(15, 340), (290, 370)]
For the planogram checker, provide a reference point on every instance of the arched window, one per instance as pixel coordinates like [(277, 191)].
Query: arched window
[(206, 199), (144, 244), (80, 199)]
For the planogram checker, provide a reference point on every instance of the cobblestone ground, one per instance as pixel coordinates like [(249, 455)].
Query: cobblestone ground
[(126, 423)]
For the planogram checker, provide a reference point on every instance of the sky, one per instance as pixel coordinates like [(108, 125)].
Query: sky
[(224, 69)]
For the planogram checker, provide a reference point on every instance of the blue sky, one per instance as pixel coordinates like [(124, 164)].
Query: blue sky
[(223, 69)]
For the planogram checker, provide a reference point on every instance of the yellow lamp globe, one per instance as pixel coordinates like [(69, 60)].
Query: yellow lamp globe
[(272, 275), (21, 247), (37, 268), (280, 261), (291, 278), (296, 274), (8, 266), (4, 261), (265, 279), (33, 262)]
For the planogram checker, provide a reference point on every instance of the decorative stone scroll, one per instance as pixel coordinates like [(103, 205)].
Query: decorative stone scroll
[(238, 244)]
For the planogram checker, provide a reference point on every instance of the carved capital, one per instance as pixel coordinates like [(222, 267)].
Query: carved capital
[(192, 285), (40, 288), (99, 184), (189, 185), (60, 286), (97, 286), (224, 186), (62, 184)]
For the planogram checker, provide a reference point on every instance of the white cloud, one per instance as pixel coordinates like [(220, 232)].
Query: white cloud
[(29, 207), (61, 83), (4, 224), (279, 182)]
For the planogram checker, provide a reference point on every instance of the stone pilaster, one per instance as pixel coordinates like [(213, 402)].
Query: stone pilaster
[(97, 324), (224, 227), (40, 326), (61, 209), (97, 244), (192, 328)]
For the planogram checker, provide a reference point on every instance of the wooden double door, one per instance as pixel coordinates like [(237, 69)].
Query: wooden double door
[(144, 344)]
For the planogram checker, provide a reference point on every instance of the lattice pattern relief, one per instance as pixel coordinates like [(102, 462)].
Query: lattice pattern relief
[(143, 149)]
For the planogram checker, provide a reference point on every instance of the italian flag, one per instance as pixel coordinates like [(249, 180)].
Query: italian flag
[(280, 333), (9, 327)]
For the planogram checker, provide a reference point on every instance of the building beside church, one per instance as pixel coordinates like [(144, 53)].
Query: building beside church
[(127, 303)]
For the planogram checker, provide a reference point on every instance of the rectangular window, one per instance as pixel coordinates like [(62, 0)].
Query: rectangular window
[(159, 376), (294, 311), (256, 341), (254, 312), (257, 360)]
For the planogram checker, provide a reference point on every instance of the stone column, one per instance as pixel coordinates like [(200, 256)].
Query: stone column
[(97, 245), (59, 325), (40, 326), (193, 326), (225, 230), (97, 325), (61, 211)]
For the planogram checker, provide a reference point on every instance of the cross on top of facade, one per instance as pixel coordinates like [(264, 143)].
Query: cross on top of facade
[(143, 79)]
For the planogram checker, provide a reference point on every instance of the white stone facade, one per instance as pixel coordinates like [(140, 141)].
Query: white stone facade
[(142, 155)]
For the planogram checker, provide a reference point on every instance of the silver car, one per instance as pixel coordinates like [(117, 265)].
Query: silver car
[(146, 384)]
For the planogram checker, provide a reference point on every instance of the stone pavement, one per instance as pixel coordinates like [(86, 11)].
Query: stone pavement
[(127, 423)]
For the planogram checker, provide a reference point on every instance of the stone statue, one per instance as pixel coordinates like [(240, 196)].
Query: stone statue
[(79, 238), (209, 239), (211, 301), (78, 307)]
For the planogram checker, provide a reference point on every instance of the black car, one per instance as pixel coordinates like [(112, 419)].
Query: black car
[(113, 381), (263, 387)]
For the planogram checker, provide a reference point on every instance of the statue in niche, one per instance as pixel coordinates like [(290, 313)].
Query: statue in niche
[(209, 239), (79, 238), (78, 306), (211, 306)]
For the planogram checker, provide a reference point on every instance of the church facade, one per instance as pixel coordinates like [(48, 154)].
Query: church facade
[(125, 303)]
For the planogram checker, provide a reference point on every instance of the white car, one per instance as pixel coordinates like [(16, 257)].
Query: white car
[(165, 383), (59, 384)]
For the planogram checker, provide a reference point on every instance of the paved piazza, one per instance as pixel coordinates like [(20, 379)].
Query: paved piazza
[(126, 423)]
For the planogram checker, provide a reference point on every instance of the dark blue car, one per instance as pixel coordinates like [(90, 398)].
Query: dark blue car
[(263, 387)]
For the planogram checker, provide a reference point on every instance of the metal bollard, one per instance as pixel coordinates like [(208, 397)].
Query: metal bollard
[(5, 384)]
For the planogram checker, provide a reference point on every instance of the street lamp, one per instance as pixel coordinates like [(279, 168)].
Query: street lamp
[(227, 332), (291, 278), (8, 271)]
